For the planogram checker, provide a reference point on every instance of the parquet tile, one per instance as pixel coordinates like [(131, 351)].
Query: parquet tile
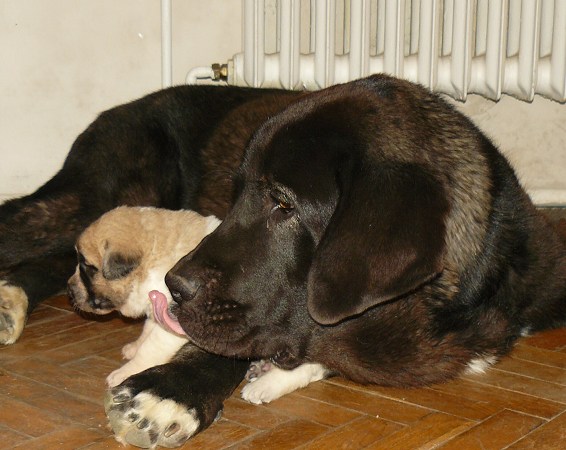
[(519, 383), (53, 382), (542, 356), (67, 437), (429, 432), (366, 402), (503, 399), (357, 434), (549, 436), (10, 438), (305, 408), (498, 431), (450, 403)]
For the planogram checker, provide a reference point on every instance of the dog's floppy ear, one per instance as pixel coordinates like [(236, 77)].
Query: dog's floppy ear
[(116, 264), (385, 239)]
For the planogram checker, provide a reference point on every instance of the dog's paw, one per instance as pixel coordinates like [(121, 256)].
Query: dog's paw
[(277, 382), (169, 403), (147, 420), (267, 386), (130, 350), (13, 312)]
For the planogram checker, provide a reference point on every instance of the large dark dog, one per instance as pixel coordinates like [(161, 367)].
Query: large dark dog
[(375, 232), (175, 149), (378, 233)]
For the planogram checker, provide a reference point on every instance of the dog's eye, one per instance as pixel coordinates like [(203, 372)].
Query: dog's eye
[(88, 269), (283, 206)]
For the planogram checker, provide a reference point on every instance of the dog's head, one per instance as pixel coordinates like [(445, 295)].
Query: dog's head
[(108, 259), (338, 211)]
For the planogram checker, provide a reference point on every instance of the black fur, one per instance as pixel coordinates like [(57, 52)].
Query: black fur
[(155, 151)]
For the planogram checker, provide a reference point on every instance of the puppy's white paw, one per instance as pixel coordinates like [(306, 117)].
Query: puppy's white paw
[(13, 312), (119, 375), (132, 367), (130, 350), (277, 382), (146, 420)]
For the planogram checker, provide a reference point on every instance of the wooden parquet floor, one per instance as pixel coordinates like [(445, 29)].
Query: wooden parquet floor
[(52, 385)]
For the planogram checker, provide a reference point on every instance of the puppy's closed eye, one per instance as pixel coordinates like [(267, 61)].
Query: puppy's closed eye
[(117, 265), (86, 267)]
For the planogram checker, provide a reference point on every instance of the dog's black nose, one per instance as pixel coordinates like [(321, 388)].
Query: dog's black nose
[(183, 288)]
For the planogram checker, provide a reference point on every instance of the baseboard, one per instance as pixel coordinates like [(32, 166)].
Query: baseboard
[(548, 197)]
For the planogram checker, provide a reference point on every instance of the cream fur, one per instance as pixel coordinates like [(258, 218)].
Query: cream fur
[(156, 239)]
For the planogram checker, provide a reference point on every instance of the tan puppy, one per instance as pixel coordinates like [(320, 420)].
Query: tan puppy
[(122, 258)]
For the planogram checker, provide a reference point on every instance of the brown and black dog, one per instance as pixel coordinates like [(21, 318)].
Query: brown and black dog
[(374, 221), (378, 234), (375, 233)]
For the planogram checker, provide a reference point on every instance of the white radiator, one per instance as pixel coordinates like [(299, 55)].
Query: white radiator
[(487, 47)]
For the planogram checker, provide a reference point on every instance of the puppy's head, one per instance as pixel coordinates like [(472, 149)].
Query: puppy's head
[(109, 256), (337, 212)]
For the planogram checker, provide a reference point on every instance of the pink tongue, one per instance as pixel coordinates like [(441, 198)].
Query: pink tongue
[(162, 314)]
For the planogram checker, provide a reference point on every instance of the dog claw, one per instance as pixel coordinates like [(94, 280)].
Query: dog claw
[(121, 398), (140, 439), (171, 429)]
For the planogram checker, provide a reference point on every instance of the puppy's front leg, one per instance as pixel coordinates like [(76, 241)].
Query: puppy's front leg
[(129, 350), (273, 383), (155, 346), (166, 405)]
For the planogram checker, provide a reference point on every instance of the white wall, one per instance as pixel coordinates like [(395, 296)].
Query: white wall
[(63, 61), (532, 136)]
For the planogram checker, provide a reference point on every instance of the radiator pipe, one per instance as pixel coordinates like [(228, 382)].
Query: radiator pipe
[(166, 44), (208, 75)]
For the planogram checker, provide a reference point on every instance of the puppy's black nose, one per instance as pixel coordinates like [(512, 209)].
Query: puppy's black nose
[(183, 288)]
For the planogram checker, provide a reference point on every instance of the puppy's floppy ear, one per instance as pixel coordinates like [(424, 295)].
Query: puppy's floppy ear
[(385, 239), (116, 264)]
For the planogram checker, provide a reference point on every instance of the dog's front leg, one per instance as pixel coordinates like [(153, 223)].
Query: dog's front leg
[(23, 286), (166, 405)]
